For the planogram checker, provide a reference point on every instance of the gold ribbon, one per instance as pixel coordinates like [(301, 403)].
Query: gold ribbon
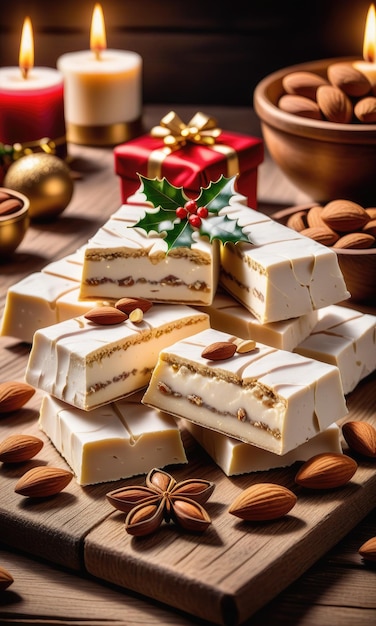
[(201, 129)]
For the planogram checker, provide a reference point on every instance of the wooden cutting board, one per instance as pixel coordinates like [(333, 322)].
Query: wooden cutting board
[(224, 575)]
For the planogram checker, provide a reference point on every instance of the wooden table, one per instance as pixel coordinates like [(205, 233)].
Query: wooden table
[(338, 590)]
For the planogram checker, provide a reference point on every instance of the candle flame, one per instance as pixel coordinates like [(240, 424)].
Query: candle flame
[(97, 31), (26, 56), (369, 45)]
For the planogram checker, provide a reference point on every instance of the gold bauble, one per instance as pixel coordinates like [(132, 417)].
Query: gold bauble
[(45, 180)]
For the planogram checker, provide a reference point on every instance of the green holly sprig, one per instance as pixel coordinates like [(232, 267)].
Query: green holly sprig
[(175, 217)]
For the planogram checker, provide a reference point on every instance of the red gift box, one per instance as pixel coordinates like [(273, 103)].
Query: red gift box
[(189, 164)]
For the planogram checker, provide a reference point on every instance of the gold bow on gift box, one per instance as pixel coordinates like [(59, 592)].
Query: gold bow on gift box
[(201, 129)]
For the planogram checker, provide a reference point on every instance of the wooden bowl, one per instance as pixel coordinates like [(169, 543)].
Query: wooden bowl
[(13, 225), (357, 266), (326, 160)]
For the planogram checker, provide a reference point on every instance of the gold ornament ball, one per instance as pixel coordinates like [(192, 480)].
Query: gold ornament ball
[(45, 180)]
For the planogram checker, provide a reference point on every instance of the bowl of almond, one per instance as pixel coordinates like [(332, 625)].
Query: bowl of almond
[(318, 122), (350, 229), (14, 220)]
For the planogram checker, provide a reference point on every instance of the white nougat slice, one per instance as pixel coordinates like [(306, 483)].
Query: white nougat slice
[(281, 274), (236, 457), (124, 261), (346, 338), (87, 365), (120, 440), (270, 398), (230, 316)]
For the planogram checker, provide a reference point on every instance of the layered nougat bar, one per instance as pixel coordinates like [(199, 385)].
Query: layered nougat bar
[(119, 440), (271, 398), (87, 365)]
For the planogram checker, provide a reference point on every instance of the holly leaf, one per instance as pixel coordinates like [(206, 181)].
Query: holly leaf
[(218, 194), (223, 228), (162, 194)]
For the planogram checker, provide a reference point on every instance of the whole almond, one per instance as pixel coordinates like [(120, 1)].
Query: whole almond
[(6, 579), (368, 550), (219, 350), (327, 470), (344, 216), (106, 315), (43, 481), (298, 105), (297, 221), (334, 104), (370, 228), (127, 305), (12, 205), (13, 395), (262, 502), (314, 217), (347, 78), (18, 448), (303, 83), (360, 437), (324, 235), (365, 110), (355, 241)]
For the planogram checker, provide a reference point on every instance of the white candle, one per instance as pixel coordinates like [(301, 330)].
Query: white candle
[(368, 66), (102, 90)]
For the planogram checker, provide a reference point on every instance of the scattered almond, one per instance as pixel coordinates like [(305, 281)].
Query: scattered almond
[(334, 104), (136, 316), (6, 579), (127, 305), (368, 550), (355, 241), (243, 346), (365, 110), (327, 470), (344, 216), (322, 234), (347, 78), (43, 481), (106, 315), (262, 502), (18, 448), (13, 395), (219, 350), (360, 437), (298, 105), (303, 83)]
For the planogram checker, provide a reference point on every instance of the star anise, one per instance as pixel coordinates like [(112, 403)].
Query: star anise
[(163, 498)]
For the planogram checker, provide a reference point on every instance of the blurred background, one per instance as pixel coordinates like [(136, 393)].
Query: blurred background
[(197, 51)]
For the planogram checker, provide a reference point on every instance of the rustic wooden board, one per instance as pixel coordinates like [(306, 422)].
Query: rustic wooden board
[(224, 575)]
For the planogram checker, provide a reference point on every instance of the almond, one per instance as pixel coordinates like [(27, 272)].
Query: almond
[(12, 205), (262, 502), (106, 315), (136, 316), (42, 481), (344, 216), (314, 217), (6, 579), (243, 346), (368, 550), (19, 448), (360, 437), (127, 305), (303, 83), (347, 78), (365, 110), (219, 350), (371, 212), (298, 105), (297, 221), (13, 395), (355, 241), (322, 234), (327, 470), (334, 104), (370, 228)]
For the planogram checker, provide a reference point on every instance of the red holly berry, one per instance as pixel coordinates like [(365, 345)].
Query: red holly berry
[(194, 220), (191, 206), (181, 212), (202, 211)]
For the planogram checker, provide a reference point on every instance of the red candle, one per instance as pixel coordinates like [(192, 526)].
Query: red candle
[(31, 99)]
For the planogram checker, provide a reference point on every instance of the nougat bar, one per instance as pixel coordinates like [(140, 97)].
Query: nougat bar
[(236, 457), (119, 440), (87, 365), (346, 338), (280, 274), (271, 398)]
